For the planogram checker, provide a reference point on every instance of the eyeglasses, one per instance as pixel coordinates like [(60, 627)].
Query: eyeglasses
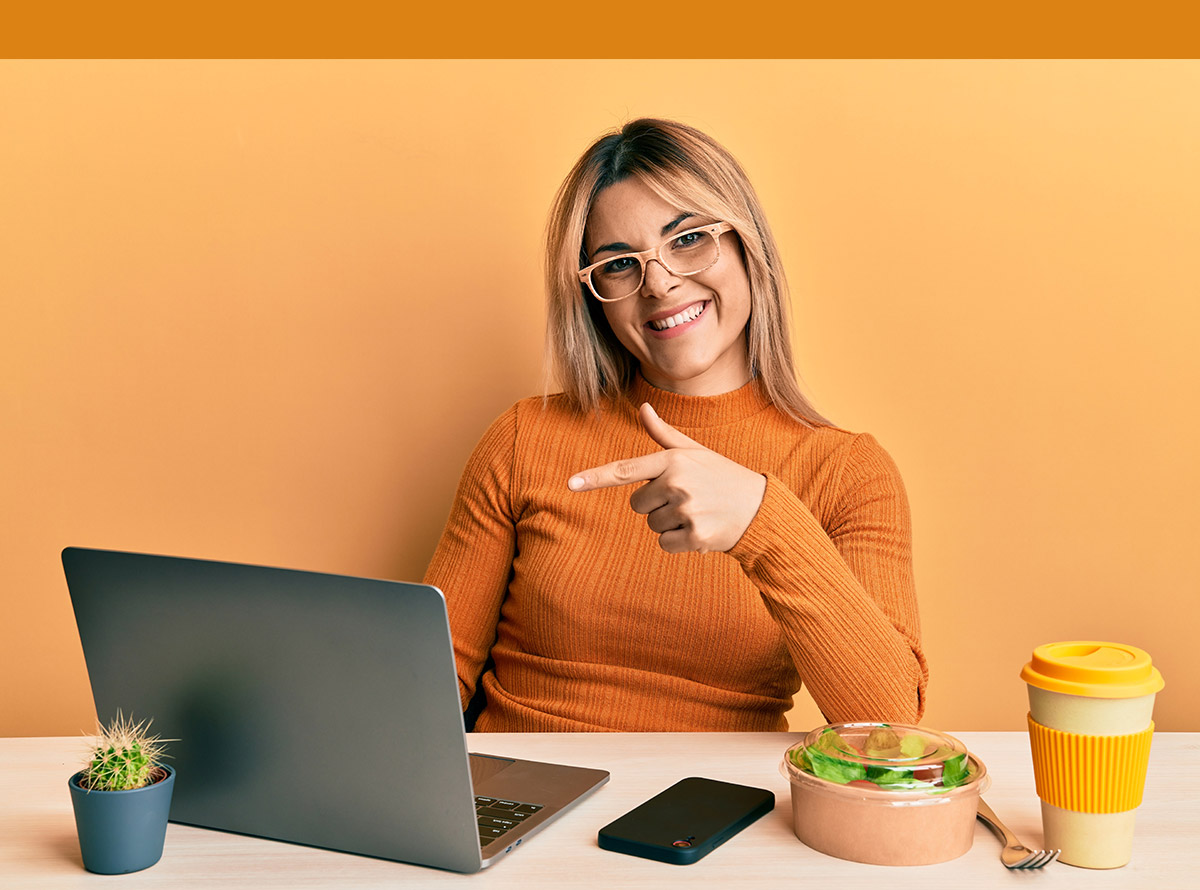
[(687, 253)]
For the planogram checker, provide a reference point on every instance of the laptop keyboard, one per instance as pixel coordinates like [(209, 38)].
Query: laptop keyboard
[(497, 816)]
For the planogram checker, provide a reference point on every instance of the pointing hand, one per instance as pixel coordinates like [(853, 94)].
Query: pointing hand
[(694, 499)]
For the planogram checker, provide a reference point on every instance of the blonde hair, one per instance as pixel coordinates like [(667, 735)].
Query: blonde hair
[(694, 172)]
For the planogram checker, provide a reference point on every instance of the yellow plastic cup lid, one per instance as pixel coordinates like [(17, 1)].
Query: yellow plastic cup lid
[(1093, 669)]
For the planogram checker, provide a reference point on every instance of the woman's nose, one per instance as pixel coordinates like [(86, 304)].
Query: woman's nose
[(657, 279)]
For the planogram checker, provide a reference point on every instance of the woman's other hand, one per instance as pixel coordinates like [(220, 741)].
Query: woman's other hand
[(694, 499)]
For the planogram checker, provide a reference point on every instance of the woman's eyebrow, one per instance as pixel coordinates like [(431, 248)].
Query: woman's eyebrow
[(622, 246), (669, 227), (616, 245)]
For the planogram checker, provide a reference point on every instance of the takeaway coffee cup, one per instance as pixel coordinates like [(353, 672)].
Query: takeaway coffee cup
[(1090, 706)]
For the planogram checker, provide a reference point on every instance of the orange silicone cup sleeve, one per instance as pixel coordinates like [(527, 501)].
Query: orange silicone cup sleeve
[(1090, 773)]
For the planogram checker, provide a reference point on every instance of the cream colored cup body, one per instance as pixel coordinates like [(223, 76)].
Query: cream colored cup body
[(1089, 840), (1090, 716)]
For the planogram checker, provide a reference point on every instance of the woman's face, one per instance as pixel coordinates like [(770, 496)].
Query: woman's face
[(702, 354)]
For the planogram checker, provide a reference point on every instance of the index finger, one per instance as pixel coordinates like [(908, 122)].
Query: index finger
[(620, 472)]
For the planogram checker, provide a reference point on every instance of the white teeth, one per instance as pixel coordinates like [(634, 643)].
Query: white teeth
[(689, 314)]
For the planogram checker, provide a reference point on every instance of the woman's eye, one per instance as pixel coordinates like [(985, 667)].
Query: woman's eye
[(619, 266), (688, 239)]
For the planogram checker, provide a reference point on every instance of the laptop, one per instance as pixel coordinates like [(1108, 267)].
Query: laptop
[(311, 708)]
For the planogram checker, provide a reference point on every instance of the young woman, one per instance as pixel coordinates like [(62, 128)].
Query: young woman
[(677, 540)]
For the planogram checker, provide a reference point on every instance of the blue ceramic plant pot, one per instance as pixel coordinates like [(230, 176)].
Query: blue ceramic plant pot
[(122, 831)]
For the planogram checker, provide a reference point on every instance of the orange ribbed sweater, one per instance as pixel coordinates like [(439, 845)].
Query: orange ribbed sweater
[(591, 626)]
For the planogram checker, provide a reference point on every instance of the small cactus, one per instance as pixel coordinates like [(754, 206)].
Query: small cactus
[(124, 756)]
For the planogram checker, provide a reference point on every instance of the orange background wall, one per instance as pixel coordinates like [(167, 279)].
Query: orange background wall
[(261, 311)]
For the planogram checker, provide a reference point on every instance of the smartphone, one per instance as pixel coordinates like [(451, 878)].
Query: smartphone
[(687, 821)]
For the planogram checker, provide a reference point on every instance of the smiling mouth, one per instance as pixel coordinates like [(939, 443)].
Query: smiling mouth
[(689, 314)]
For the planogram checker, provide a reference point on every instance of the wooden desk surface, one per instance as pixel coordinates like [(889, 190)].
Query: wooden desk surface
[(38, 846)]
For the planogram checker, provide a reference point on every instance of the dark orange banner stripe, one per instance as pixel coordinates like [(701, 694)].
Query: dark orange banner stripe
[(706, 29)]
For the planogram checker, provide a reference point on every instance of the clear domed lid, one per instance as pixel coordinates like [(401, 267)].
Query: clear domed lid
[(885, 757)]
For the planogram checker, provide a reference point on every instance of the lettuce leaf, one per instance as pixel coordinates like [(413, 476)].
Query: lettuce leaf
[(954, 771), (834, 769), (883, 776), (912, 745), (799, 757)]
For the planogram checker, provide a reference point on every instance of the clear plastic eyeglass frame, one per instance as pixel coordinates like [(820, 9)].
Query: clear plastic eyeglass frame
[(655, 253)]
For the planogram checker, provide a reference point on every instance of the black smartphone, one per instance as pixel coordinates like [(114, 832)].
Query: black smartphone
[(686, 821)]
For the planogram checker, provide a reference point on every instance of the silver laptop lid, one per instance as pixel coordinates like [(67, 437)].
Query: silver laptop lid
[(312, 708)]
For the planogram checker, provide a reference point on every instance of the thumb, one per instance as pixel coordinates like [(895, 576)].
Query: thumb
[(661, 431)]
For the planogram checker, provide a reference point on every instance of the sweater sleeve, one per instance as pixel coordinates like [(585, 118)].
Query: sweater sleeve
[(843, 593), (474, 557)]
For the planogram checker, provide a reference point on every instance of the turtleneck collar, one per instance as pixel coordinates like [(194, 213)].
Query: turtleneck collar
[(696, 412)]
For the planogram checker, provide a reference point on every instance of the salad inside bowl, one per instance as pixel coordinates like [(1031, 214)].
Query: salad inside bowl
[(885, 757)]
